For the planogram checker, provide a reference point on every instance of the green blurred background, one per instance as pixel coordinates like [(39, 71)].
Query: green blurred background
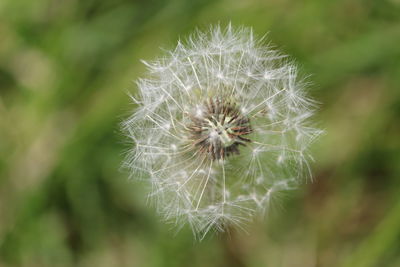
[(65, 69)]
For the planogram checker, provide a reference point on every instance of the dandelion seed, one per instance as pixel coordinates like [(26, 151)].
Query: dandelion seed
[(222, 125)]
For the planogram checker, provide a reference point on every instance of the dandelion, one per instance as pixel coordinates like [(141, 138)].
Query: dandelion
[(222, 127)]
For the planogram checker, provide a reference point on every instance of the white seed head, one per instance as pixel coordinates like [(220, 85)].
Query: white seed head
[(222, 126)]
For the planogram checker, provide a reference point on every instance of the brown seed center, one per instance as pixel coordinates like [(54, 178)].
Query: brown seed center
[(218, 128)]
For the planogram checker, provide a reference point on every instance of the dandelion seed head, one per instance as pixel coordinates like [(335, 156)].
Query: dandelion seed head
[(222, 124)]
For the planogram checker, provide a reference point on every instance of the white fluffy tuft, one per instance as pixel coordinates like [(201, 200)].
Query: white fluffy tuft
[(189, 187)]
